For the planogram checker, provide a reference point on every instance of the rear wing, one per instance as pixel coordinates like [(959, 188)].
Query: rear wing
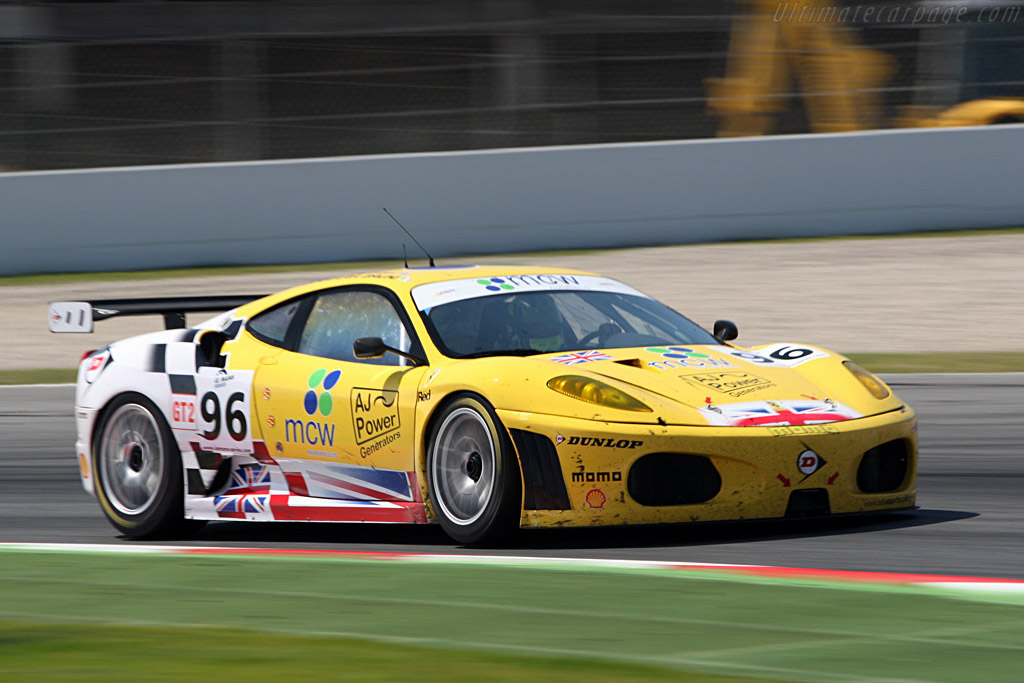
[(78, 316)]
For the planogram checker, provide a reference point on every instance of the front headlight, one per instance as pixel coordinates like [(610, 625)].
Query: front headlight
[(596, 392), (871, 383)]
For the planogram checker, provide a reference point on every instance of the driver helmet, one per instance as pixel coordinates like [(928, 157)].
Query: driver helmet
[(540, 322)]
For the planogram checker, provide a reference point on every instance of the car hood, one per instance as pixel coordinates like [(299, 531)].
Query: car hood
[(732, 386)]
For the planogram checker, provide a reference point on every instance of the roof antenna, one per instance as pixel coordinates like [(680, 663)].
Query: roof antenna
[(429, 257), (405, 257)]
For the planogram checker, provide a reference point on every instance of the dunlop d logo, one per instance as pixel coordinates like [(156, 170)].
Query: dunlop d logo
[(374, 413)]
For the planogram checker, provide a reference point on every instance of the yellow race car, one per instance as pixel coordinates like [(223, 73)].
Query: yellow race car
[(481, 398)]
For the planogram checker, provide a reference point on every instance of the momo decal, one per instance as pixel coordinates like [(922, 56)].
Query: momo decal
[(804, 429), (590, 477), (598, 442), (317, 402), (374, 413), (735, 383), (778, 413), (684, 357)]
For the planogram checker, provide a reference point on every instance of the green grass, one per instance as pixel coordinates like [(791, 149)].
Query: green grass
[(975, 361), (225, 270), (75, 652), (38, 376), (116, 617)]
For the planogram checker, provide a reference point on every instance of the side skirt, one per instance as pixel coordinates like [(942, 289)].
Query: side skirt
[(256, 487)]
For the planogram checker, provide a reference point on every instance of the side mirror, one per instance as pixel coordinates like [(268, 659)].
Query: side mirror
[(726, 330), (374, 347), (369, 347)]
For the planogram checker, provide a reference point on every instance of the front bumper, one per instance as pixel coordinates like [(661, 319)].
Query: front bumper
[(759, 469), (85, 420)]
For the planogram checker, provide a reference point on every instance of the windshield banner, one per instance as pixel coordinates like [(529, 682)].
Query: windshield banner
[(439, 293)]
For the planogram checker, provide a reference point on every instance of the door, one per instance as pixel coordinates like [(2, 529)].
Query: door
[(342, 427)]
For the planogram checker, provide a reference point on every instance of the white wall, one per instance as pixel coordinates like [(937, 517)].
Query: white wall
[(512, 200)]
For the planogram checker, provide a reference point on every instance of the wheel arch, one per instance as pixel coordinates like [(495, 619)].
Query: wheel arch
[(431, 423), (435, 414), (169, 510)]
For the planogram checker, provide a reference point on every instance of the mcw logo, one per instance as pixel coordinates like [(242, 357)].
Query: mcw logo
[(315, 400)]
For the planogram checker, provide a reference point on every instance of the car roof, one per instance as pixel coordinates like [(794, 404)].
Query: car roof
[(413, 277), (403, 280)]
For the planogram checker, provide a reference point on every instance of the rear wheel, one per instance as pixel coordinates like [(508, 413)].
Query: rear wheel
[(472, 473), (138, 471)]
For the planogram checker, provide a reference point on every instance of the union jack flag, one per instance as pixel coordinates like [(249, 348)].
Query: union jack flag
[(577, 357), (237, 506), (354, 482), (778, 413), (250, 478)]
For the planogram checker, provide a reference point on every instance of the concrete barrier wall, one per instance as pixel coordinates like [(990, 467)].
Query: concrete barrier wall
[(512, 200)]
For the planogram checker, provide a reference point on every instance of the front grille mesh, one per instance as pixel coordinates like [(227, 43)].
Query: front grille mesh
[(883, 468), (673, 479)]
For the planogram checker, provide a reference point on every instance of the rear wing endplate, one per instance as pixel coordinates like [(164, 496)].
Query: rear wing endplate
[(78, 316)]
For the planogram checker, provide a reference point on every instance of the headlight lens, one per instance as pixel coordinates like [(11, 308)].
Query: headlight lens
[(596, 392), (871, 383)]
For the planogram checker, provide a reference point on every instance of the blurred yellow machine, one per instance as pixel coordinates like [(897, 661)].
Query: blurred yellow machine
[(962, 79)]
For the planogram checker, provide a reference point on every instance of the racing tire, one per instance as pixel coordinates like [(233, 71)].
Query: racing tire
[(138, 471), (472, 472)]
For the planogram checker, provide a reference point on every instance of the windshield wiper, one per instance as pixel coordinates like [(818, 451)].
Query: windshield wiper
[(503, 352)]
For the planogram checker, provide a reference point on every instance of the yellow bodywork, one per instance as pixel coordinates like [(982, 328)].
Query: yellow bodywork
[(595, 445)]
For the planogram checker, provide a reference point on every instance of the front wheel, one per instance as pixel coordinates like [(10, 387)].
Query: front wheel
[(472, 473), (138, 471)]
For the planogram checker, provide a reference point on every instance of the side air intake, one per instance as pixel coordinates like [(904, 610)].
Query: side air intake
[(542, 475), (883, 468)]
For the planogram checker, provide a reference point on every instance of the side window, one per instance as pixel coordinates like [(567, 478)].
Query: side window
[(339, 318), (272, 326)]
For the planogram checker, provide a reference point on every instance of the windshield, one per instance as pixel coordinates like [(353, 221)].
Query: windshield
[(545, 322)]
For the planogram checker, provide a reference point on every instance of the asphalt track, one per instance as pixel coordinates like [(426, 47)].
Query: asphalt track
[(970, 493)]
